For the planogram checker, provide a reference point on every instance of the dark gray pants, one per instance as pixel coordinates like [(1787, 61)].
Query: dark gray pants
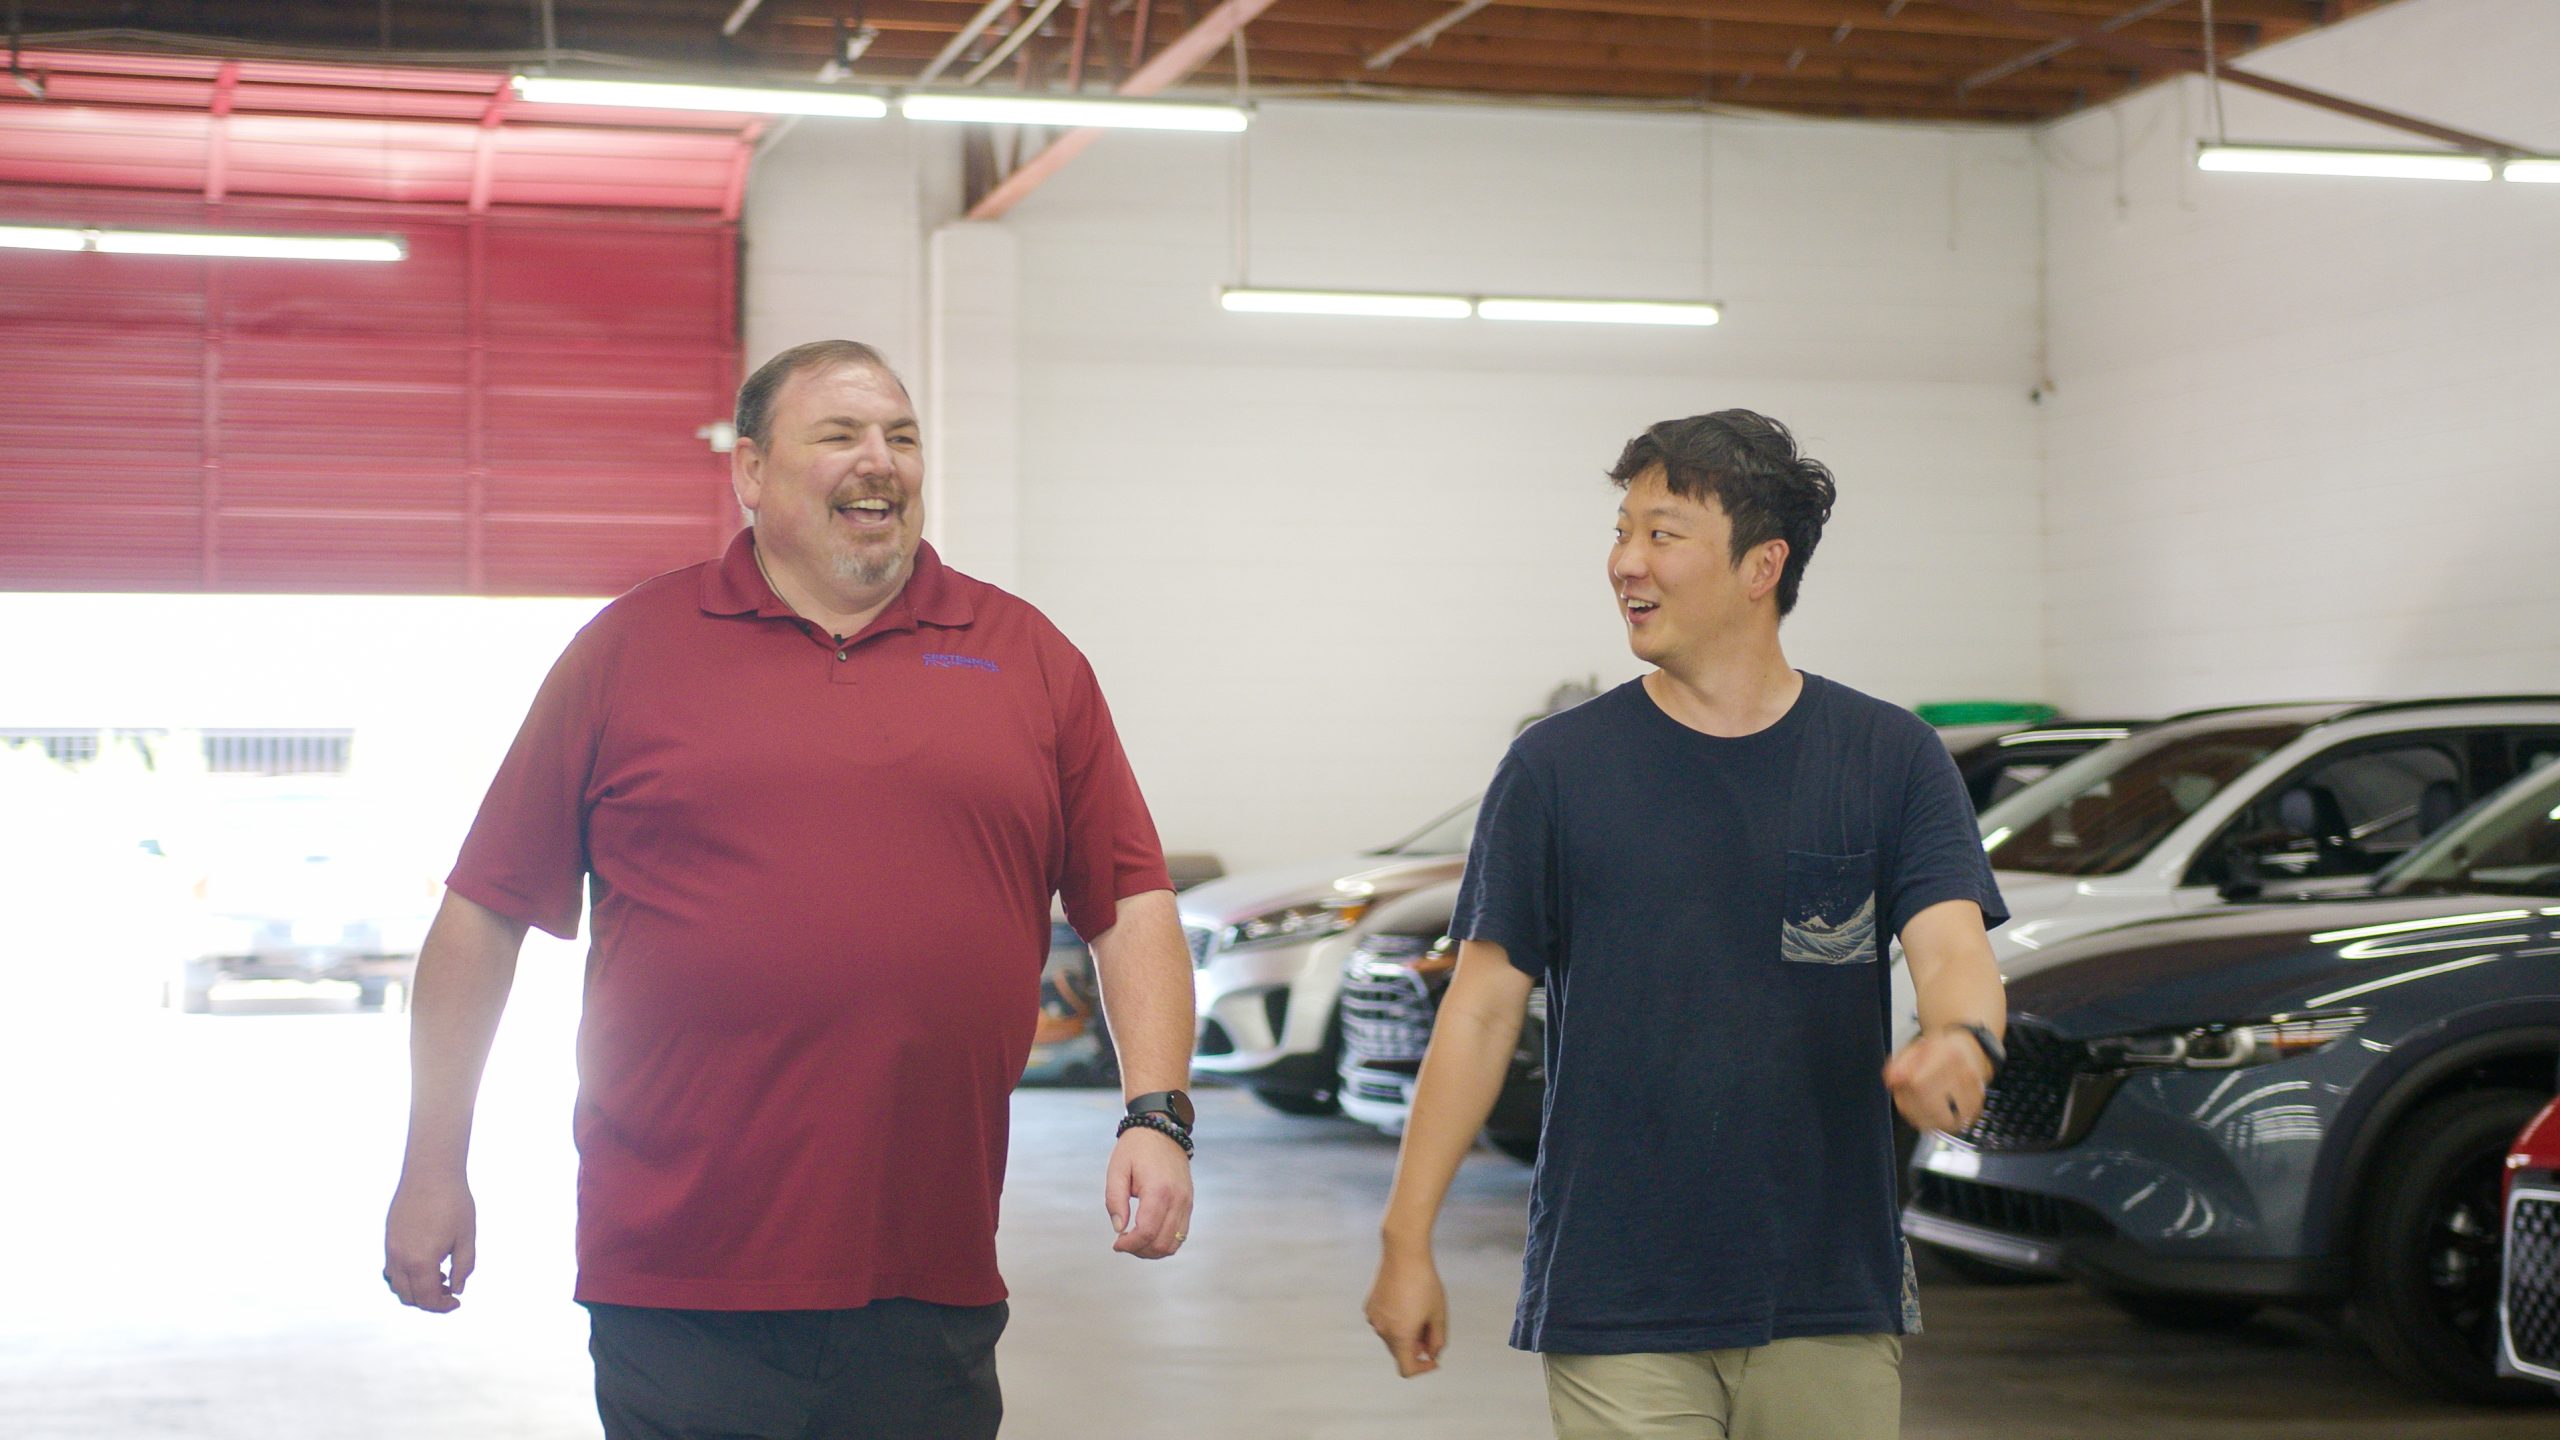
[(891, 1370)]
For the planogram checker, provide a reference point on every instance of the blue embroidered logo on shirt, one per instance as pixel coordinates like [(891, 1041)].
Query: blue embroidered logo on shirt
[(962, 662)]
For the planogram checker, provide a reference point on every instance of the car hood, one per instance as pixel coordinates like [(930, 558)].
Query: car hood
[(1255, 892), (2253, 960)]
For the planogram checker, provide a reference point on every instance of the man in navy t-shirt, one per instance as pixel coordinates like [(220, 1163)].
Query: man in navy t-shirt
[(1705, 867)]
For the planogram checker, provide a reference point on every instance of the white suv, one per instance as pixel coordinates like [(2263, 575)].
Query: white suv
[(1269, 946), (2223, 805)]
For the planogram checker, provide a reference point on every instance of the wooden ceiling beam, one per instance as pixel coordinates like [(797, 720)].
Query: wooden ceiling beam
[(1271, 37), (1736, 89), (2114, 43)]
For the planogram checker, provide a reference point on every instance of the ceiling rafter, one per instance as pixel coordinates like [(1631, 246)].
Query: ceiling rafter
[(1999, 62)]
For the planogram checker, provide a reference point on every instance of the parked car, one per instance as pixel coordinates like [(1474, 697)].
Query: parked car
[(2529, 1300), (1071, 1042), (1391, 989), (2304, 1101), (2220, 805), (1268, 946), (1998, 761), (1393, 978), (308, 883)]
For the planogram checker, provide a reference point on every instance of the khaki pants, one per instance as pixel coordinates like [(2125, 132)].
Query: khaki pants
[(1824, 1387)]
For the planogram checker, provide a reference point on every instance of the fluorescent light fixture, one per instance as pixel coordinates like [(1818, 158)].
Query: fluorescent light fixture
[(2315, 160), (41, 237), (1599, 312), (735, 99), (1065, 111), (250, 247), (219, 245), (2533, 172), (1346, 302)]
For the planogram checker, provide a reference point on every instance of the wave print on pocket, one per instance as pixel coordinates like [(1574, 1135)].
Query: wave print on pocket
[(1817, 940)]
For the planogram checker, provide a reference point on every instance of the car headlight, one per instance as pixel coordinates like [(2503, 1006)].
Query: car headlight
[(2229, 1047), (1297, 923)]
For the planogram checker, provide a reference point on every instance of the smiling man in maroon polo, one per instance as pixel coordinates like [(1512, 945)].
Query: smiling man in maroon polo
[(819, 793)]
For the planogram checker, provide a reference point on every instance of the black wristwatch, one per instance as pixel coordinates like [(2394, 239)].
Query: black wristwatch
[(1990, 1043), (1172, 1104), (1167, 1112)]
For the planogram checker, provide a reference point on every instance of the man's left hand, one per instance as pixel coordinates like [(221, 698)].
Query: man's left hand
[(1937, 1080), (1150, 1177)]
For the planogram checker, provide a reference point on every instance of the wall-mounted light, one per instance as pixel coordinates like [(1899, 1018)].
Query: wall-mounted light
[(734, 99), (2532, 172), (1071, 112), (1376, 303), (220, 245), (2323, 160), (1600, 312)]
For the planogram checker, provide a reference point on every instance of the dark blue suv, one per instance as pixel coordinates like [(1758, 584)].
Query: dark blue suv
[(2305, 1102)]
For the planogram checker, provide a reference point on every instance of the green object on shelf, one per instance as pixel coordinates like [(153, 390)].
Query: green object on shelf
[(1984, 712)]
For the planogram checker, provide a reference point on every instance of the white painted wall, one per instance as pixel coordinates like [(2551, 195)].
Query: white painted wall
[(1324, 566), (2304, 435)]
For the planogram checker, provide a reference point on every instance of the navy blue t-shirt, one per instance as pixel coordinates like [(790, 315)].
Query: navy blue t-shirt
[(1716, 1169)]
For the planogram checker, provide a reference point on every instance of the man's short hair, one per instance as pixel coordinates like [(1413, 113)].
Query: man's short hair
[(755, 398), (1748, 464)]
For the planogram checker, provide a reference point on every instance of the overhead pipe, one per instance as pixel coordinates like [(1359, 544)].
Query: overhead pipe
[(976, 27)]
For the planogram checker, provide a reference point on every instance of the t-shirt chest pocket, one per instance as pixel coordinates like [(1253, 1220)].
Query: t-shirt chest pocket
[(1830, 909)]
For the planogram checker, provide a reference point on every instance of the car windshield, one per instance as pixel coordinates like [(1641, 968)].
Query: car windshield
[(2509, 845), (2100, 814), (1451, 834)]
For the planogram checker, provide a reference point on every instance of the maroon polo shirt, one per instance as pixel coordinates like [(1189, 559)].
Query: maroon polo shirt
[(820, 878)]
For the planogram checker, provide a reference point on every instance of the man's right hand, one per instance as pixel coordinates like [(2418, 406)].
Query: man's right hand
[(431, 1222), (1409, 1309)]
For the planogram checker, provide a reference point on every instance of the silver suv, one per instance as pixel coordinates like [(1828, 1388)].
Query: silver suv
[(1269, 946)]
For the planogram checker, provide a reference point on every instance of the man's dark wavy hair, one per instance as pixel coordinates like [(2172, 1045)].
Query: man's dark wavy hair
[(1748, 464)]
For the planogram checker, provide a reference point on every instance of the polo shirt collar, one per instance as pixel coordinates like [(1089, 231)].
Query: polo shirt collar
[(934, 594)]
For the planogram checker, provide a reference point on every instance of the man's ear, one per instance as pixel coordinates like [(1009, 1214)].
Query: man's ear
[(1763, 568), (746, 472)]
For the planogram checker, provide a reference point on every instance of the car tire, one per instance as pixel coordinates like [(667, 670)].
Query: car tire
[(1523, 1148), (1300, 1102), (2191, 1313), (2427, 1252)]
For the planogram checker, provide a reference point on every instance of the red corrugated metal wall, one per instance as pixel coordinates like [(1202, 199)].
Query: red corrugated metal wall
[(509, 411)]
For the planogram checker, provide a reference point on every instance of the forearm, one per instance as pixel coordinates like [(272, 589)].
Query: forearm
[(1145, 971), (1953, 975), (1471, 1046), (465, 969)]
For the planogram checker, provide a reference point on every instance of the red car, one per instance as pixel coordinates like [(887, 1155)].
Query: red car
[(2529, 1303)]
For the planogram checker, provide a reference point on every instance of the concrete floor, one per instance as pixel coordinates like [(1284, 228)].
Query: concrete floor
[(193, 1209)]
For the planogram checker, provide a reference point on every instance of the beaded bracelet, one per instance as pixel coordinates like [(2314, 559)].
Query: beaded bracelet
[(1162, 1125)]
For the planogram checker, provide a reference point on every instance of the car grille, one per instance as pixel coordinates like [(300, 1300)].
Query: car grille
[(1386, 1007), (2011, 1212), (2533, 1281), (1203, 940), (2046, 1097)]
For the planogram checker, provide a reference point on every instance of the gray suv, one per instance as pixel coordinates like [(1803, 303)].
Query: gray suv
[(2305, 1101)]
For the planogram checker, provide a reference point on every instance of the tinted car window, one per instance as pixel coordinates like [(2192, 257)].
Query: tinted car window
[(2353, 813), (2009, 779), (2509, 845), (2102, 813)]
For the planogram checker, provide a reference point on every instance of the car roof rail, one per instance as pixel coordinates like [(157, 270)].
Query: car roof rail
[(2382, 707)]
